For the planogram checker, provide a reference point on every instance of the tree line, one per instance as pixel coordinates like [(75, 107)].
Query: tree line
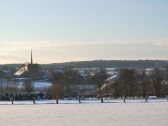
[(71, 83), (127, 83)]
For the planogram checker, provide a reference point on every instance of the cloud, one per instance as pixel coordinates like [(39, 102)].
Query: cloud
[(50, 52), (11, 59), (162, 43)]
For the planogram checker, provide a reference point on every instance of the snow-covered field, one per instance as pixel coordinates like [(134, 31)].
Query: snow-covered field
[(89, 113)]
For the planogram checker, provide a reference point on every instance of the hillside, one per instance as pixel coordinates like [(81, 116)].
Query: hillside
[(110, 64), (101, 64)]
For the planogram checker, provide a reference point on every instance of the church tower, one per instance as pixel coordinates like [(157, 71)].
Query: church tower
[(30, 70)]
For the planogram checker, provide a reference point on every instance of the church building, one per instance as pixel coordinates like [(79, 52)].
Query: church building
[(28, 70)]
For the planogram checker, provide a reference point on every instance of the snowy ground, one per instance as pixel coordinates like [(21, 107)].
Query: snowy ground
[(89, 113)]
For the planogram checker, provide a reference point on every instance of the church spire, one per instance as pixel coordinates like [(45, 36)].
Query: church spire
[(31, 57)]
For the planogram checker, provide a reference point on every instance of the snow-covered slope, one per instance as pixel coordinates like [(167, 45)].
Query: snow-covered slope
[(86, 114)]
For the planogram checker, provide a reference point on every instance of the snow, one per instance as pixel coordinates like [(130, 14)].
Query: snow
[(112, 78), (38, 85), (89, 113), (41, 84)]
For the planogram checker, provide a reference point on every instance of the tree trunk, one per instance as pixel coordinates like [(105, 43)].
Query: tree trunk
[(100, 95), (146, 98), (124, 98), (57, 100), (12, 101), (34, 102), (79, 99), (102, 101)]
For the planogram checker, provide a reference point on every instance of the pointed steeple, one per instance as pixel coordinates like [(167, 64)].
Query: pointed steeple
[(31, 57)]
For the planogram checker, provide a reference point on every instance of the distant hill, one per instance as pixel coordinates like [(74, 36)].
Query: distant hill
[(101, 64), (111, 64), (10, 66)]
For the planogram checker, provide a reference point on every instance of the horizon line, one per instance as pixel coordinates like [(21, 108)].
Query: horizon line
[(91, 61)]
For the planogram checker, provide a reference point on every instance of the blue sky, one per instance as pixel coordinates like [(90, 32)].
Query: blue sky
[(68, 30)]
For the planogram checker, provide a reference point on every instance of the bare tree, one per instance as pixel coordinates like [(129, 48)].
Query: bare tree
[(145, 85), (56, 90), (127, 80), (28, 86), (156, 79), (164, 88), (73, 80), (99, 79)]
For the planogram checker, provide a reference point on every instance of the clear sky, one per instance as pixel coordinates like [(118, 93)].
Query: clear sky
[(71, 30)]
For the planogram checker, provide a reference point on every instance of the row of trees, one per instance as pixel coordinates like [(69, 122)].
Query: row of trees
[(132, 83), (10, 88), (65, 84), (127, 83), (71, 83)]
